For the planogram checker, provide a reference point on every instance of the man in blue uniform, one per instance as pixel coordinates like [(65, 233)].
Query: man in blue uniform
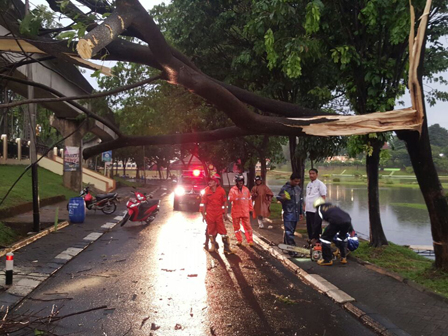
[(291, 198)]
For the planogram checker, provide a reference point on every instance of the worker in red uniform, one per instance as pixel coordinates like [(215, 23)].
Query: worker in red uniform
[(240, 198), (214, 208)]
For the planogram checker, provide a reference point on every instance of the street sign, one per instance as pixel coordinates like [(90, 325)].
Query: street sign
[(107, 156)]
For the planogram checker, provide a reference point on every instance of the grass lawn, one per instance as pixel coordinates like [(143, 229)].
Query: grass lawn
[(276, 210), (407, 263), (50, 184), (7, 235), (410, 205), (124, 182)]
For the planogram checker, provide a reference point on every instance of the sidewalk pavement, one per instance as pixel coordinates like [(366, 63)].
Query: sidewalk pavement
[(35, 262), (400, 308)]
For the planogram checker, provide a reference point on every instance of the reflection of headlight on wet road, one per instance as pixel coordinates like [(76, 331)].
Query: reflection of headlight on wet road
[(202, 191), (179, 191)]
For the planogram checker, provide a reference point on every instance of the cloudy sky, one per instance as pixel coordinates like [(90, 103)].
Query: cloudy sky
[(437, 114)]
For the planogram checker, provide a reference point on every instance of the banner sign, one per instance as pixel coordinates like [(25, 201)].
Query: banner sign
[(107, 156), (71, 159)]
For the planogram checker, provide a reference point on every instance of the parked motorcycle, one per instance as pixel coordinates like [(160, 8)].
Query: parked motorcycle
[(142, 208), (107, 203)]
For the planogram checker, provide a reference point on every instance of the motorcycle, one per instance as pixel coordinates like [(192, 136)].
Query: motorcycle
[(107, 203), (142, 208)]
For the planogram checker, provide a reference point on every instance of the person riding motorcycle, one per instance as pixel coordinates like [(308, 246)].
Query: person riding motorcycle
[(340, 223), (240, 197), (214, 208)]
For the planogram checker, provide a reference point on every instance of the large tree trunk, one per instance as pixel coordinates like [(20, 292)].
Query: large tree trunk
[(251, 176), (263, 167), (377, 236), (419, 150), (297, 160)]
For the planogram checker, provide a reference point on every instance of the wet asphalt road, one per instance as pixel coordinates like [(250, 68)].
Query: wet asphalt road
[(158, 280)]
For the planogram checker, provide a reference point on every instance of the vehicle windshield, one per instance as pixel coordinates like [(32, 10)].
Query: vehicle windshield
[(193, 180)]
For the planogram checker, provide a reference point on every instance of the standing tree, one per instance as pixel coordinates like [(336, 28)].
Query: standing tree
[(129, 18)]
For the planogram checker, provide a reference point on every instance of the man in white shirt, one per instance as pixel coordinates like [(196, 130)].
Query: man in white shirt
[(315, 189)]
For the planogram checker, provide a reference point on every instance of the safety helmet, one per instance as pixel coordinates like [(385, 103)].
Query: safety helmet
[(258, 178), (239, 177), (318, 202), (215, 177)]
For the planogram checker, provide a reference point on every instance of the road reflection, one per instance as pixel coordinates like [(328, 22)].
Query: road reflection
[(179, 273)]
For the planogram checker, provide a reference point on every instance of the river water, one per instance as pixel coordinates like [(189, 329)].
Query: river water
[(402, 225)]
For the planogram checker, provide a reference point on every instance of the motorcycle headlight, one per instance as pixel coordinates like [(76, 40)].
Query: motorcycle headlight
[(179, 191), (202, 191)]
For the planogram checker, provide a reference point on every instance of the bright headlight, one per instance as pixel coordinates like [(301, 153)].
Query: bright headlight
[(179, 191), (202, 191)]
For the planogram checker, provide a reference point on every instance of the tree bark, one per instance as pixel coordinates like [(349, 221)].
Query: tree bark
[(297, 160), (251, 176), (377, 236), (419, 150), (263, 171)]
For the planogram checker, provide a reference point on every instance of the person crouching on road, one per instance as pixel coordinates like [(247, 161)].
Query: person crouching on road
[(291, 198), (242, 208), (340, 223), (214, 208), (262, 196)]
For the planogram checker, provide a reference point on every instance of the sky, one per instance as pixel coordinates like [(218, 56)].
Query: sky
[(437, 114)]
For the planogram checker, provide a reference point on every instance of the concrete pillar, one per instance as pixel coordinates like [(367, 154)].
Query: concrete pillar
[(71, 179), (4, 138), (55, 153), (19, 149), (62, 153)]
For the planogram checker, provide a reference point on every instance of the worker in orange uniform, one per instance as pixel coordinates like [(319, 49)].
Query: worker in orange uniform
[(214, 208), (240, 198)]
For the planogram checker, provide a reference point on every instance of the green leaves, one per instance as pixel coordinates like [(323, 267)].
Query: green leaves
[(312, 17), (271, 54), (292, 65), (344, 55), (30, 25)]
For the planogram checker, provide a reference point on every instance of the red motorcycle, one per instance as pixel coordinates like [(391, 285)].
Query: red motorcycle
[(107, 203), (142, 208)]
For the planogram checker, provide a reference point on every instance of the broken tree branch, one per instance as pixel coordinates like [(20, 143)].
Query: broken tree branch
[(168, 139)]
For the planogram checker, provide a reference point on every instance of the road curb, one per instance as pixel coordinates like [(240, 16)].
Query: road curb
[(325, 287), (33, 238), (25, 284)]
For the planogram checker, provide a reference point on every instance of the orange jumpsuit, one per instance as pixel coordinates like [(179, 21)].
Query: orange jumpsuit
[(241, 206), (214, 206)]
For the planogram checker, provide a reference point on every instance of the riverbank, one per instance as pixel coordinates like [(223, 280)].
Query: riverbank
[(356, 178), (396, 259)]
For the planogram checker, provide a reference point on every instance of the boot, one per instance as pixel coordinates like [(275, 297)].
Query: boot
[(343, 249), (260, 222), (212, 245), (322, 262), (227, 249), (206, 241), (216, 243), (326, 255)]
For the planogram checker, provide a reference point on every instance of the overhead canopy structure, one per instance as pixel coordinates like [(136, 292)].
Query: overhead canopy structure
[(57, 73)]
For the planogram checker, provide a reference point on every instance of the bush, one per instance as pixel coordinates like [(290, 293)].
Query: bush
[(409, 170), (357, 174), (389, 181), (337, 179)]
